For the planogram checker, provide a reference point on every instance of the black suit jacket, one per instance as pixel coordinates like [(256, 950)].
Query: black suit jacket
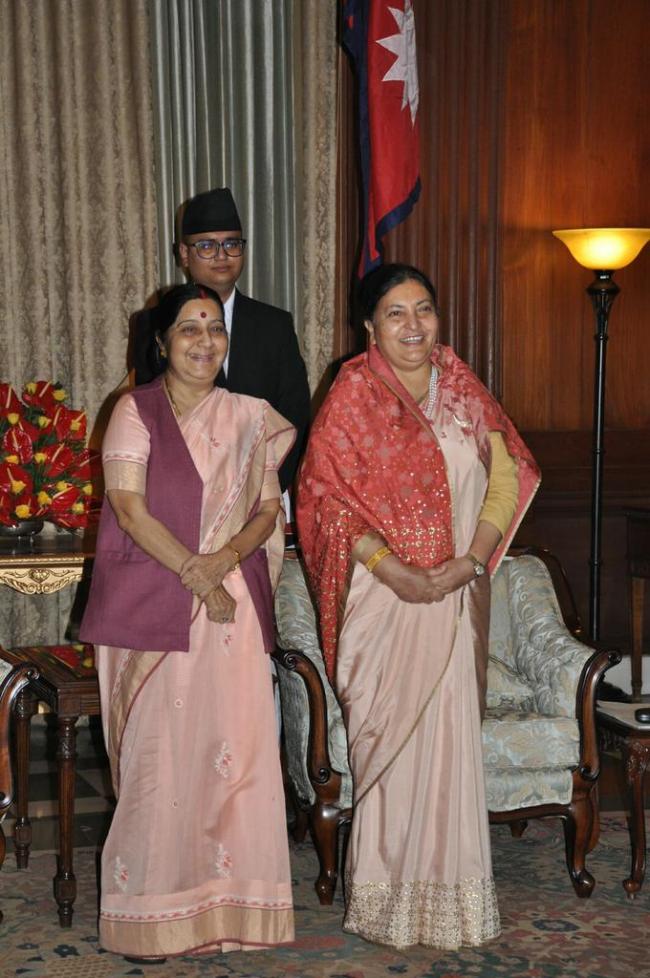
[(264, 361)]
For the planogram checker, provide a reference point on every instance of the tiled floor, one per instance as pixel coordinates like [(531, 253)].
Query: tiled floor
[(94, 800)]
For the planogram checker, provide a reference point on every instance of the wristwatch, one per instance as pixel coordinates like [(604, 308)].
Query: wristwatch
[(479, 568)]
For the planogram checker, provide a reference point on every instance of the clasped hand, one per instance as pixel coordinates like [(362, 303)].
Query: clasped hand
[(419, 585), (202, 573), (220, 605)]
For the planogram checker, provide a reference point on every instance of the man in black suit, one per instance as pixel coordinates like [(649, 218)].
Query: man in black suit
[(263, 356)]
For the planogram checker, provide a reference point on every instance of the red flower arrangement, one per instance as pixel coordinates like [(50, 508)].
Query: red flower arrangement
[(46, 471)]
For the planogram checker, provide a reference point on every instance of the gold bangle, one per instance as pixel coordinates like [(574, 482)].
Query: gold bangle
[(237, 557), (378, 555)]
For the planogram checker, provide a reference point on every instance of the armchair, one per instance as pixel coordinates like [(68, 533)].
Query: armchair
[(539, 734)]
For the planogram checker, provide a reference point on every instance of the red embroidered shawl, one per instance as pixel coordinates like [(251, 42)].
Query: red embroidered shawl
[(374, 463)]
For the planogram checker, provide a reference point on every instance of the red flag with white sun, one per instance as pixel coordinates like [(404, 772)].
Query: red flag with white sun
[(379, 36)]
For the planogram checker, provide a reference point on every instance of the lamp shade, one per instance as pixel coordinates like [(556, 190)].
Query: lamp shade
[(604, 249)]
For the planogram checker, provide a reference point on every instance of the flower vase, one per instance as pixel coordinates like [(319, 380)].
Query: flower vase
[(21, 529)]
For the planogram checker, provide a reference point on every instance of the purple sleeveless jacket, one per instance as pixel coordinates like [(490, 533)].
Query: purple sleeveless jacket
[(134, 601)]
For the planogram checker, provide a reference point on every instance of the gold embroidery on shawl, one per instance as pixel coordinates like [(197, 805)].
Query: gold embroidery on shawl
[(425, 912)]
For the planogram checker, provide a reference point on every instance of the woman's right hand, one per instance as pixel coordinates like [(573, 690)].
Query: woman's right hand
[(414, 585), (220, 606), (201, 573)]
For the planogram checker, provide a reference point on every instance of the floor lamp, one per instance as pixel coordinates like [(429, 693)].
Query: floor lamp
[(603, 250)]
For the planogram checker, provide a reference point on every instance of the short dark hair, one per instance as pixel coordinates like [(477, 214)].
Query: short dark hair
[(165, 314), (375, 284)]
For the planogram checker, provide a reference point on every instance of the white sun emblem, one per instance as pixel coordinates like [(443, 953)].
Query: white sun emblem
[(405, 67)]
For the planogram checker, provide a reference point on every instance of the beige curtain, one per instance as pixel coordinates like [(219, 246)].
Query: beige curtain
[(245, 95), (316, 56), (78, 230), (242, 92)]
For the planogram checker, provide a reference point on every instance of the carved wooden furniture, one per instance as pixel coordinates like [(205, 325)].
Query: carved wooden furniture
[(315, 743), (10, 686), (540, 743), (67, 683), (43, 564), (621, 731), (638, 570)]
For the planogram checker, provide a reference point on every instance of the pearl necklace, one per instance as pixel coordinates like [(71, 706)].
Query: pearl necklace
[(432, 394)]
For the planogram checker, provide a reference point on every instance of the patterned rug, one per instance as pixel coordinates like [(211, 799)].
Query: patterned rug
[(547, 931)]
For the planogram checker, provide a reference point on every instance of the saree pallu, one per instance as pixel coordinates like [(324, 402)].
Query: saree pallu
[(196, 859), (418, 865), (373, 464)]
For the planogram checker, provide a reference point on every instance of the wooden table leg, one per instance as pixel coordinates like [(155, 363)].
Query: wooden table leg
[(65, 883), (24, 711), (638, 595), (637, 758)]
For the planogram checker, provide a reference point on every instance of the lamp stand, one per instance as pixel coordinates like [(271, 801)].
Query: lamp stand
[(602, 292)]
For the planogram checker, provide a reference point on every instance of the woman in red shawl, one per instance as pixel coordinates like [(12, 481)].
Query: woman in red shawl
[(413, 485)]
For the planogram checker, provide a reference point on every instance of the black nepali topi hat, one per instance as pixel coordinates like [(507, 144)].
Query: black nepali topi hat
[(214, 210)]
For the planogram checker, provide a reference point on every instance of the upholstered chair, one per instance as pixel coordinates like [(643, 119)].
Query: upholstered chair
[(303, 678), (539, 734)]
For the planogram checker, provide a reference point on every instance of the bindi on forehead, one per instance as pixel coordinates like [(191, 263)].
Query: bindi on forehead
[(204, 315)]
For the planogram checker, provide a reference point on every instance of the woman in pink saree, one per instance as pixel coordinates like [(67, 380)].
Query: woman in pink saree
[(413, 485), (189, 546)]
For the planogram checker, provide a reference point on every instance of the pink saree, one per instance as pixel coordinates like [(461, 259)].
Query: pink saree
[(418, 863), (196, 859)]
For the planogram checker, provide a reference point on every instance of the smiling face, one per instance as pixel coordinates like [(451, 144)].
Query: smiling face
[(219, 273), (196, 343), (405, 327)]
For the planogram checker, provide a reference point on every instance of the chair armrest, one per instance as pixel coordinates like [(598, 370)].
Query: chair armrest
[(325, 780), (12, 685), (586, 696)]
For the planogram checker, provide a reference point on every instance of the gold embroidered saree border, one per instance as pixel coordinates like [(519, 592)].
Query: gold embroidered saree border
[(434, 914)]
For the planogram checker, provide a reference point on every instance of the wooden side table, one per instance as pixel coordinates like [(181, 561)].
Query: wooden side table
[(620, 730), (638, 569), (70, 690), (42, 565)]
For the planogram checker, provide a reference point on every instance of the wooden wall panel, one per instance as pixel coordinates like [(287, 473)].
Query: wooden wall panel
[(575, 152), (576, 147), (534, 116), (560, 516), (453, 232)]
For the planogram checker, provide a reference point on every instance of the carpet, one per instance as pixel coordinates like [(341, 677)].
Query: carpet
[(547, 931)]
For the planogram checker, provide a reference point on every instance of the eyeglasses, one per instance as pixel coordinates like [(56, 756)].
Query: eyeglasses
[(209, 248)]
